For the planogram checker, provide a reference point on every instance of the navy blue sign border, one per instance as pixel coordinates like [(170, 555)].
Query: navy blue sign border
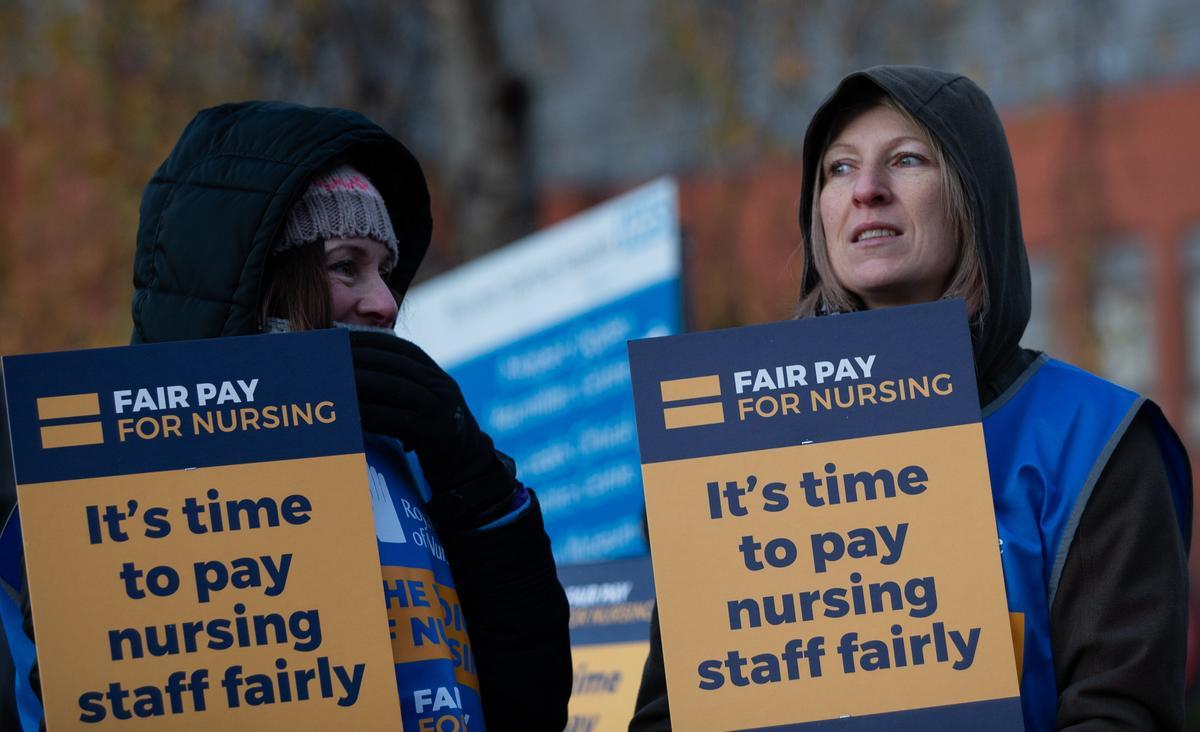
[(640, 578), (291, 368), (911, 341)]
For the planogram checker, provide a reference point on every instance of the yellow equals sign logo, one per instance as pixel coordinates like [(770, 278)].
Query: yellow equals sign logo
[(692, 415), (70, 406)]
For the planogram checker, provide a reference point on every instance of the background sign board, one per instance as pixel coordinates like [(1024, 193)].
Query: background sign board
[(535, 335), (611, 603), (820, 515), (199, 537)]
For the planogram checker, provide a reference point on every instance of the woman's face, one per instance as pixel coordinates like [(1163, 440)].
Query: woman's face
[(888, 234), (358, 289)]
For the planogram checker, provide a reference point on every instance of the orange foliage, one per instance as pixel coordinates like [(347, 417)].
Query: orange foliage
[(92, 97)]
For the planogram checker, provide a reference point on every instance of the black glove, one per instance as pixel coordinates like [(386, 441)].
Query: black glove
[(403, 393)]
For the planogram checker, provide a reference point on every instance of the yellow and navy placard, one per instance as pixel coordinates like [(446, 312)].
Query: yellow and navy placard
[(824, 547), (198, 536), (611, 603)]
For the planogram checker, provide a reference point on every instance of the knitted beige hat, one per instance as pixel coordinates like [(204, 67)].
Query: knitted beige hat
[(339, 204)]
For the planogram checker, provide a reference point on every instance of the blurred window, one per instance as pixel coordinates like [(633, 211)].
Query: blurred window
[(1039, 334), (1121, 315), (1191, 255)]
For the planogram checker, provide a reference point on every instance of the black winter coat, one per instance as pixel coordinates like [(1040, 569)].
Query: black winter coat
[(208, 219)]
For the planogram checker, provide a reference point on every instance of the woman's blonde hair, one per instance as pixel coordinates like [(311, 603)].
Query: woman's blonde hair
[(967, 280)]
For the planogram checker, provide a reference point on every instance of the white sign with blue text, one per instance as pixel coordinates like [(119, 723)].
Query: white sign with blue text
[(535, 335)]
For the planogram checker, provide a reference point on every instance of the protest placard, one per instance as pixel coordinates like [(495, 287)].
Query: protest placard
[(611, 603), (198, 536), (824, 546)]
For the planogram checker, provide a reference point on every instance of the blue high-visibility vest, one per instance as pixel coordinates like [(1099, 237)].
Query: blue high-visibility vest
[(20, 646), (1048, 438)]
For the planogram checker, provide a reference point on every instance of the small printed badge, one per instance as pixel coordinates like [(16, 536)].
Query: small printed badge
[(387, 521)]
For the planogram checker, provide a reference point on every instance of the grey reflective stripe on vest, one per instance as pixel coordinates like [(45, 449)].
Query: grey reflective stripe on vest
[(1015, 387), (1081, 501)]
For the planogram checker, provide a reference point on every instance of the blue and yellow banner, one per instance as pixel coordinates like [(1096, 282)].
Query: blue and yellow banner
[(824, 547), (611, 604), (198, 536)]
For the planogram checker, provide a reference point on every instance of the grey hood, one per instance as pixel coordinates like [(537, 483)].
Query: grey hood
[(959, 114)]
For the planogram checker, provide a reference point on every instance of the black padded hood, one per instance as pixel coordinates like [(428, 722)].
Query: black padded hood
[(961, 117), (213, 209)]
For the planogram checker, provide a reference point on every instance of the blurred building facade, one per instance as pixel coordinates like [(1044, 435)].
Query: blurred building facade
[(527, 111)]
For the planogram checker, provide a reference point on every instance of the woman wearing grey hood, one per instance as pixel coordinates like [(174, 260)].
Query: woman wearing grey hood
[(909, 196)]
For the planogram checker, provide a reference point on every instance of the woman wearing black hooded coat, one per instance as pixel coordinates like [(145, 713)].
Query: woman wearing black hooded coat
[(909, 196), (269, 216)]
